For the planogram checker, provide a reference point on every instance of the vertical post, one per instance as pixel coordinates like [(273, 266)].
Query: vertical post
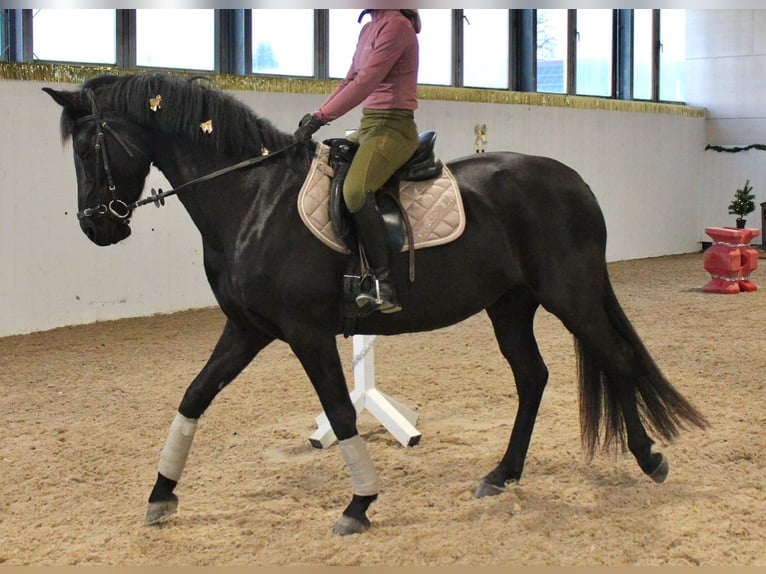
[(523, 46), (623, 64), (20, 35)]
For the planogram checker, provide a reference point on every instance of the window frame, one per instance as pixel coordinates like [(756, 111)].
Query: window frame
[(233, 47)]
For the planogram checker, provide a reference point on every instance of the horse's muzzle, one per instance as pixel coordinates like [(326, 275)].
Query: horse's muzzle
[(104, 231)]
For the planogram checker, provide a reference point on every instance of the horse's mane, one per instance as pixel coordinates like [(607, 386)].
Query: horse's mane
[(187, 103)]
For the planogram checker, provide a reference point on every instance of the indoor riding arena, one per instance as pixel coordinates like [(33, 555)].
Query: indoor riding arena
[(98, 345)]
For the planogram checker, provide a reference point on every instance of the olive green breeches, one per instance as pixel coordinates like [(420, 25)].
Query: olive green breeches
[(387, 139)]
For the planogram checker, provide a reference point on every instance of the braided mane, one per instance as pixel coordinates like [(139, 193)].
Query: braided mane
[(186, 103)]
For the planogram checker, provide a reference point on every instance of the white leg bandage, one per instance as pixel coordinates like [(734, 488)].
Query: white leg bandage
[(363, 474), (177, 447)]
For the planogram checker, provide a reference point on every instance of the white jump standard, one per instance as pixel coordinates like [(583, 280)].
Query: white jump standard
[(395, 417)]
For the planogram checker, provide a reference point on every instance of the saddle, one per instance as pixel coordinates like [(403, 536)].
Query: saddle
[(422, 166)]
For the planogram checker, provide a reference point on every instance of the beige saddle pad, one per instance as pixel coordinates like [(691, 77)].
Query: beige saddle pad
[(434, 206)]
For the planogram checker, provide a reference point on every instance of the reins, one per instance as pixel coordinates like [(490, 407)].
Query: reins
[(158, 196)]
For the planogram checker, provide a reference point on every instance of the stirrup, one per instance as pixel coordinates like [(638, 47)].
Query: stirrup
[(371, 301)]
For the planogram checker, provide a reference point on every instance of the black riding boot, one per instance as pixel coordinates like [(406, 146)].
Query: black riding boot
[(380, 294)]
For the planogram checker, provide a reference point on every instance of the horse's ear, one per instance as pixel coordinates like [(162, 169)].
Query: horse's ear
[(70, 101), (74, 106)]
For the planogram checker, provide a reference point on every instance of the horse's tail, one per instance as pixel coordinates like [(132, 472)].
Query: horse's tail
[(661, 407)]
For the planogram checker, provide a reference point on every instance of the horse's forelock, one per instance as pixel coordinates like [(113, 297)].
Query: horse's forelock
[(67, 126)]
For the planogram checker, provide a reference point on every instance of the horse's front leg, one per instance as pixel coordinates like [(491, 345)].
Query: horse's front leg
[(233, 352), (319, 356)]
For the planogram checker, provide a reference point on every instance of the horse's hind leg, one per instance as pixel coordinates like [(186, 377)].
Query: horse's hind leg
[(512, 319), (233, 352), (653, 464)]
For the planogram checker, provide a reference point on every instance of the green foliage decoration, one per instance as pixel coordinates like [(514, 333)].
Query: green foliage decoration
[(743, 203)]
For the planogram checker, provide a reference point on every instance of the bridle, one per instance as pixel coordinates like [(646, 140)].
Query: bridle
[(118, 209), (115, 208)]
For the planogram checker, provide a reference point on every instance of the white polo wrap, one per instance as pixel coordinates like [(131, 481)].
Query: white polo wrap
[(177, 447), (363, 474)]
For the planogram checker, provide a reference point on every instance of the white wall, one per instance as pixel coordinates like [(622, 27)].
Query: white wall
[(640, 166), (726, 74), (51, 274), (644, 168)]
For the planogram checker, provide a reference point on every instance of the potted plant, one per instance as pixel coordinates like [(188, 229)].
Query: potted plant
[(742, 204)]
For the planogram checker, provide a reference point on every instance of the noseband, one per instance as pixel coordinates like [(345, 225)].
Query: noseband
[(115, 208)]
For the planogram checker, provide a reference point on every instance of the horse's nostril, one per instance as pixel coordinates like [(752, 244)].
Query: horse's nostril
[(88, 229)]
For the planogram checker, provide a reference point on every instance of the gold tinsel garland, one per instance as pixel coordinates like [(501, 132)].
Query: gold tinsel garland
[(79, 73)]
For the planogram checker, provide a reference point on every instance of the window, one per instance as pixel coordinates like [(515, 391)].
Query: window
[(630, 53), (552, 51), (672, 54), (485, 48), (435, 41), (642, 54), (344, 31), (594, 52), (277, 52), (176, 38), (75, 36)]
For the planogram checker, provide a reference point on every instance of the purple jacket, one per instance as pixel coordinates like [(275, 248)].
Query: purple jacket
[(384, 71)]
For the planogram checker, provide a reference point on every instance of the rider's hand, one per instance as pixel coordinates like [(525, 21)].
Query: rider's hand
[(306, 127)]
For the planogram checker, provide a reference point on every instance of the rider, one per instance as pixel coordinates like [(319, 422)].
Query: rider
[(383, 78)]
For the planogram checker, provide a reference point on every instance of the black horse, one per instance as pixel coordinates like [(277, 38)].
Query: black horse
[(535, 235)]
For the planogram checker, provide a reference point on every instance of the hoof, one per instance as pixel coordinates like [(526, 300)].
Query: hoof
[(487, 489), (159, 511), (660, 473), (347, 525)]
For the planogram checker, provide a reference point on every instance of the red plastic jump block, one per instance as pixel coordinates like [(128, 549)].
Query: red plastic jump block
[(730, 260)]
